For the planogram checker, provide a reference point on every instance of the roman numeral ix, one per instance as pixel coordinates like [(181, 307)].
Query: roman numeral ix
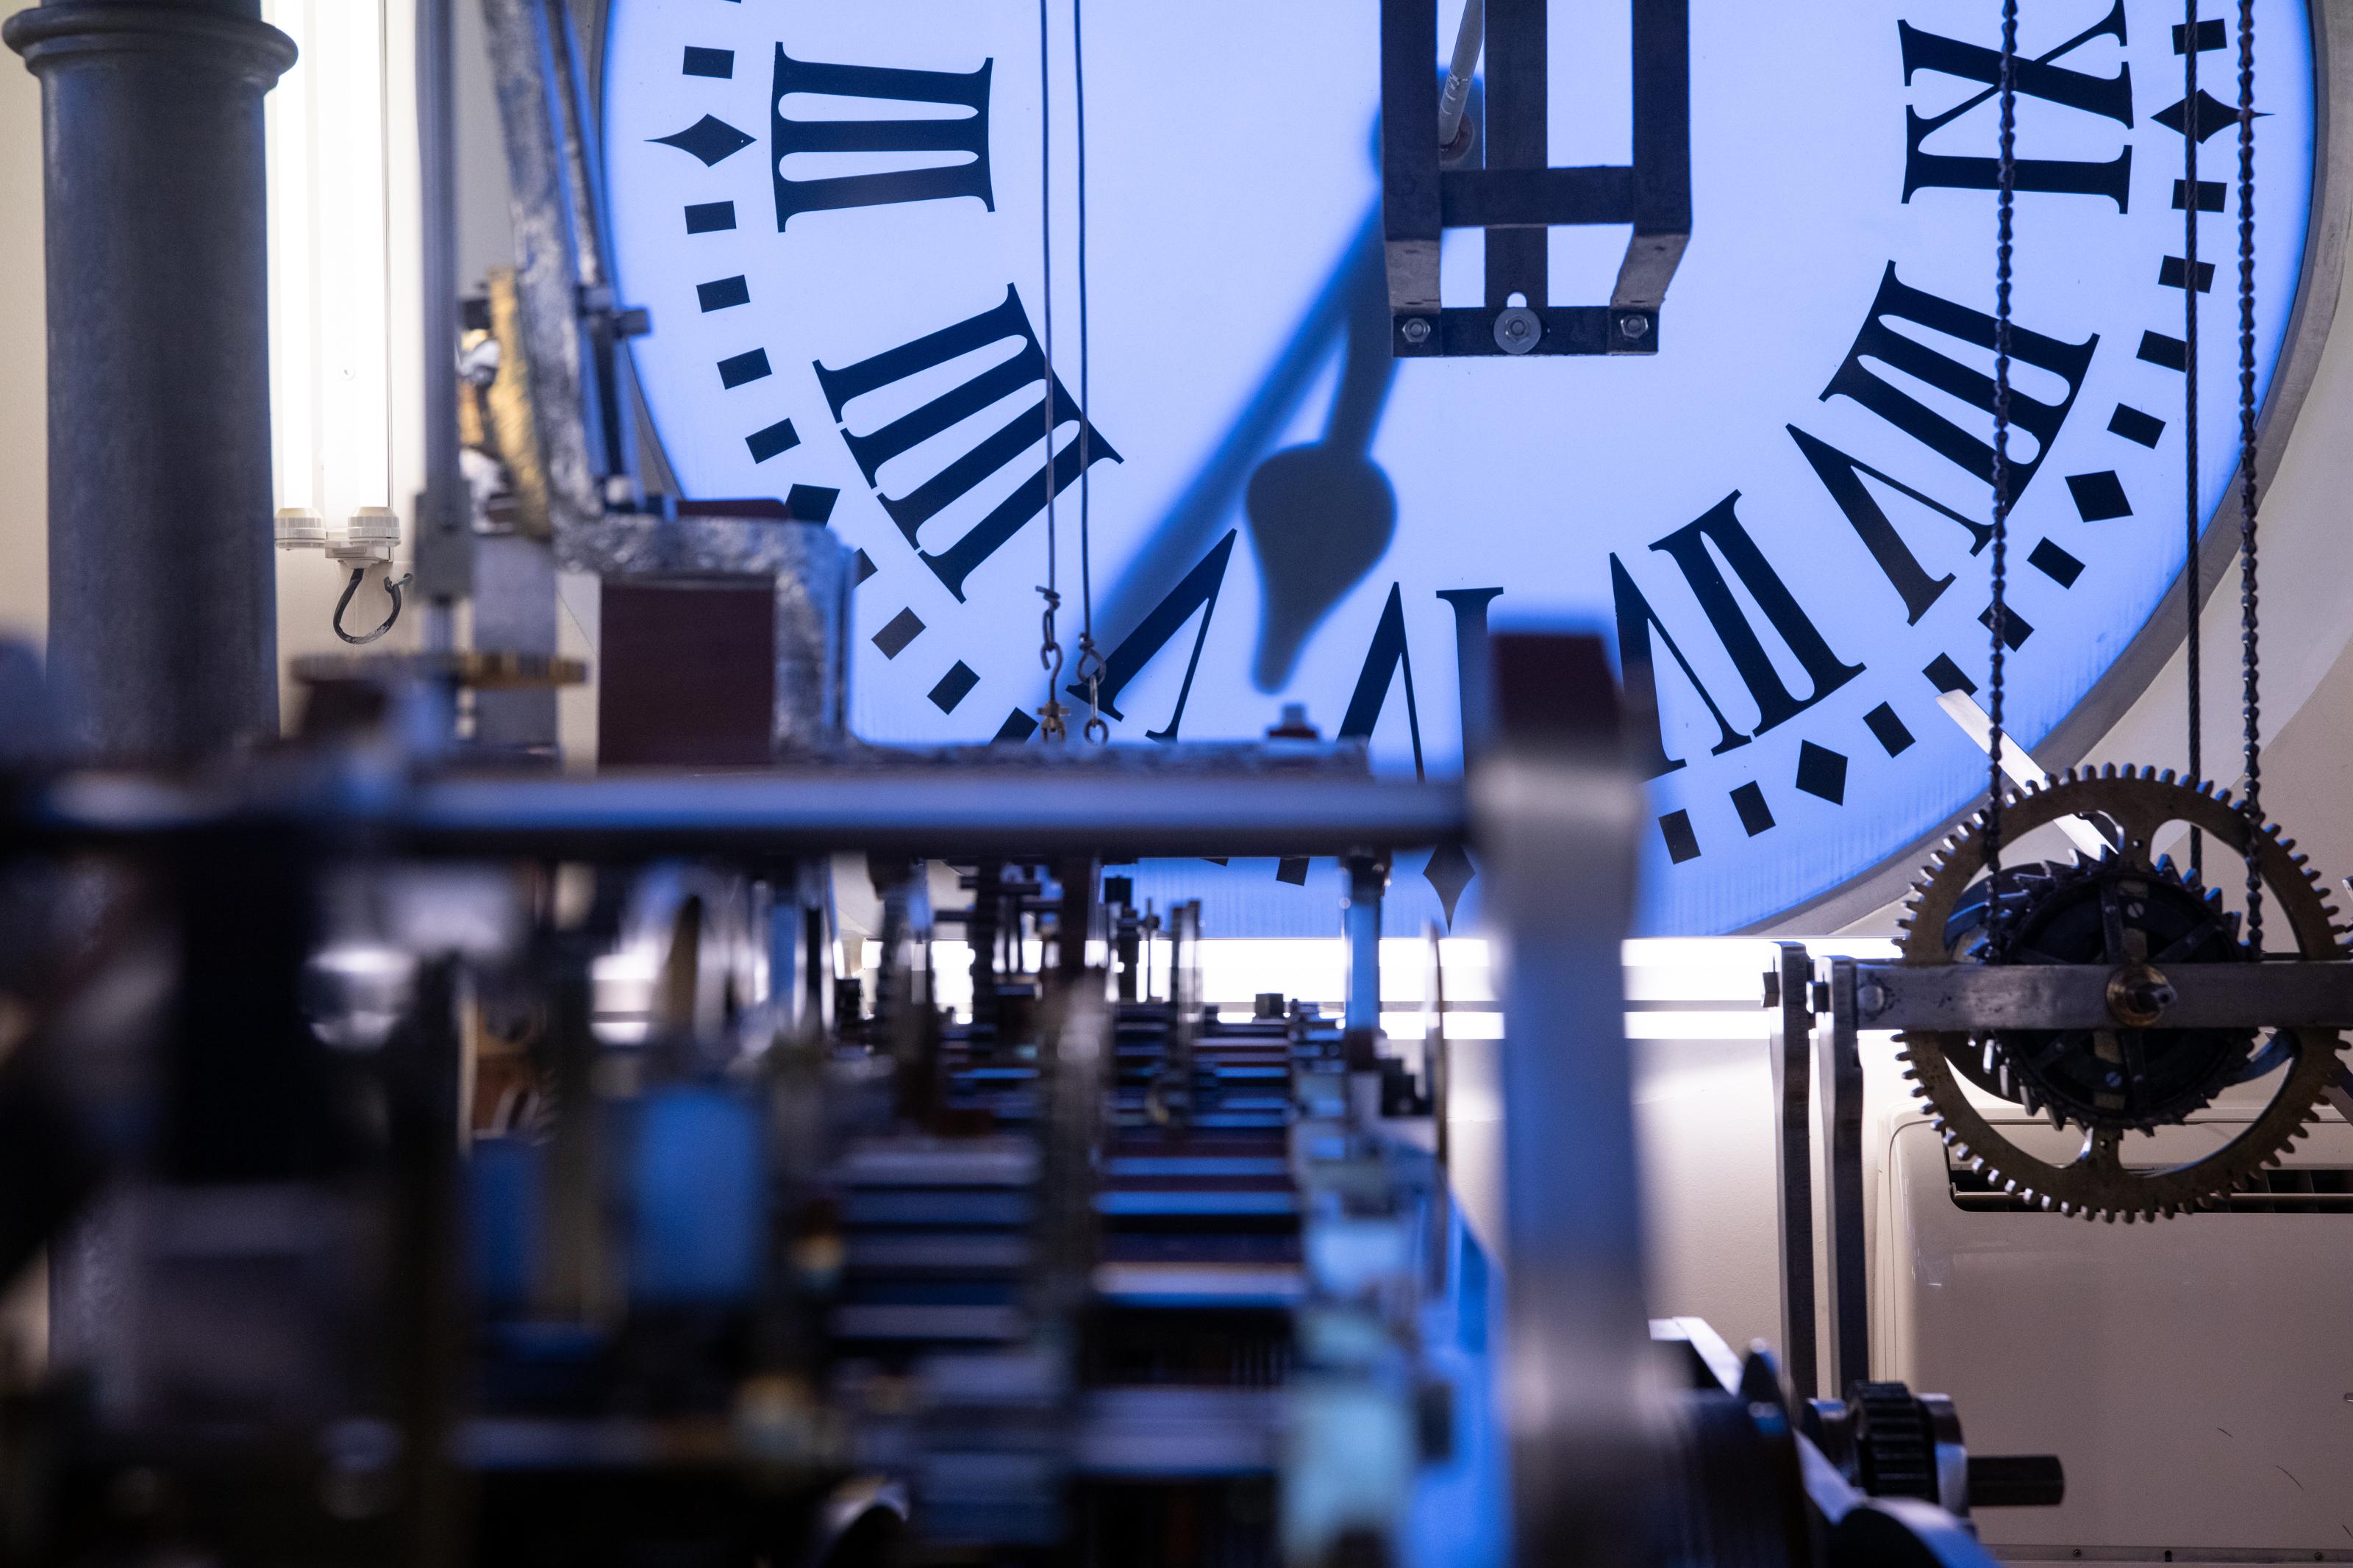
[(2109, 98)]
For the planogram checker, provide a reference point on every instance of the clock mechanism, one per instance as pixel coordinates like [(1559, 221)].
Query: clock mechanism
[(2135, 913)]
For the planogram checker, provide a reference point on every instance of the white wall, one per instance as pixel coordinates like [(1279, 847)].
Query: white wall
[(23, 360)]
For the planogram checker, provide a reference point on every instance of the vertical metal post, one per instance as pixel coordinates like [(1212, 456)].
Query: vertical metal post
[(1662, 205), (1410, 211), (1075, 920), (1367, 880), (1790, 984), (1517, 103), (163, 598), (1842, 1076), (444, 549), (1555, 805)]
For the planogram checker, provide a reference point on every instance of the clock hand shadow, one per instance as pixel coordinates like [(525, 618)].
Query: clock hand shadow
[(1321, 515), (1352, 305)]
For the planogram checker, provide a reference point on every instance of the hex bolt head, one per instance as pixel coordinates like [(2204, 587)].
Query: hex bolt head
[(1518, 329), (1416, 330), (1634, 329)]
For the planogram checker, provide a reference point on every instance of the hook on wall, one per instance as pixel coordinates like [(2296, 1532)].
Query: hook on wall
[(391, 588)]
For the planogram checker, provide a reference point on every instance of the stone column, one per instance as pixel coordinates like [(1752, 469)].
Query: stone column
[(162, 641)]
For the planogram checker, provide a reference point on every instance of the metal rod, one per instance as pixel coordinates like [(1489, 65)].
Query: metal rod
[(1841, 1074), (444, 547), (938, 810), (1456, 95), (1968, 997), (1793, 1039)]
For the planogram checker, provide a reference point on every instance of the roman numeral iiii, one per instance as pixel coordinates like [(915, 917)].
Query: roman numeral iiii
[(965, 472)]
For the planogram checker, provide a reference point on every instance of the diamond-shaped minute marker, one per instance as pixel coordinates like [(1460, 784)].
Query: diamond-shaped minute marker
[(2211, 115), (1450, 871), (709, 139)]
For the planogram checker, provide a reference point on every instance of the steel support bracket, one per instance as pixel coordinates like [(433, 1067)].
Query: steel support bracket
[(1509, 188)]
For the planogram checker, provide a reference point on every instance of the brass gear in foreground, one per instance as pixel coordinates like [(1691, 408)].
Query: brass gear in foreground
[(2097, 1183)]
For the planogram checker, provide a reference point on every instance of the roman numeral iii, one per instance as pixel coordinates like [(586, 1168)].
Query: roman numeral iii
[(959, 142)]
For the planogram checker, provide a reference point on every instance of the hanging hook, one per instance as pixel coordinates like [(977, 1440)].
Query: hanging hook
[(390, 587), (1091, 671)]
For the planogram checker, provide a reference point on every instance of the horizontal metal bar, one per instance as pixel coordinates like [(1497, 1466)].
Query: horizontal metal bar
[(2075, 996), (1536, 198), (941, 811), (1568, 329)]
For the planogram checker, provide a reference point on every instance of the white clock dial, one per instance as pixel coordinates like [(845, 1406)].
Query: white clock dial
[(834, 215)]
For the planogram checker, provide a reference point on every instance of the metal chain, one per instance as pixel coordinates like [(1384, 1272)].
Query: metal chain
[(1051, 717), (2248, 654), (1998, 616), (1090, 659), (2193, 511)]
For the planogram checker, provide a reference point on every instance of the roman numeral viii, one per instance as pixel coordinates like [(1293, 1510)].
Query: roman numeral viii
[(1696, 548), (956, 144), (948, 409), (1890, 357), (2110, 98)]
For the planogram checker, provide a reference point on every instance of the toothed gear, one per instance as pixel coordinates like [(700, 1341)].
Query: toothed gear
[(1895, 1447), (2062, 1075)]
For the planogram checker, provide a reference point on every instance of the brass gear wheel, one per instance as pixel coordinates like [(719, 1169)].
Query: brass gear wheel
[(2139, 804)]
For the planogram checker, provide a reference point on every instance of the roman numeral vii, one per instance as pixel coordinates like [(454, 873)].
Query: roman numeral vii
[(1696, 548)]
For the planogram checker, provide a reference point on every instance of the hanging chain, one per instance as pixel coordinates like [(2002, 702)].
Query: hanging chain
[(1998, 614), (1090, 659), (2248, 654), (2193, 510), (1051, 717)]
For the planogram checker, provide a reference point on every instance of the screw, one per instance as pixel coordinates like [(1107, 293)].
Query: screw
[(1634, 328), (1517, 327), (1416, 330)]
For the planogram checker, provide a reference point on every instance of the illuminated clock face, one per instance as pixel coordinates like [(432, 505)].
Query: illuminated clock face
[(837, 216)]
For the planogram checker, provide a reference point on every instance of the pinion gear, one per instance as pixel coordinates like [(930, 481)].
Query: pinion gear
[(2103, 911), (2120, 908)]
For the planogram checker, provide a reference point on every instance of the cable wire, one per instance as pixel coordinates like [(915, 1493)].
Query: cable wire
[(1050, 651), (2193, 509), (2249, 652), (1090, 659), (1998, 614)]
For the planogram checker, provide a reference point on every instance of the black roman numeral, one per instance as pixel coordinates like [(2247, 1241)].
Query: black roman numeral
[(1908, 355), (2107, 97), (1383, 660), (1842, 476), (1025, 369), (961, 141), (1689, 548), (1197, 591)]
